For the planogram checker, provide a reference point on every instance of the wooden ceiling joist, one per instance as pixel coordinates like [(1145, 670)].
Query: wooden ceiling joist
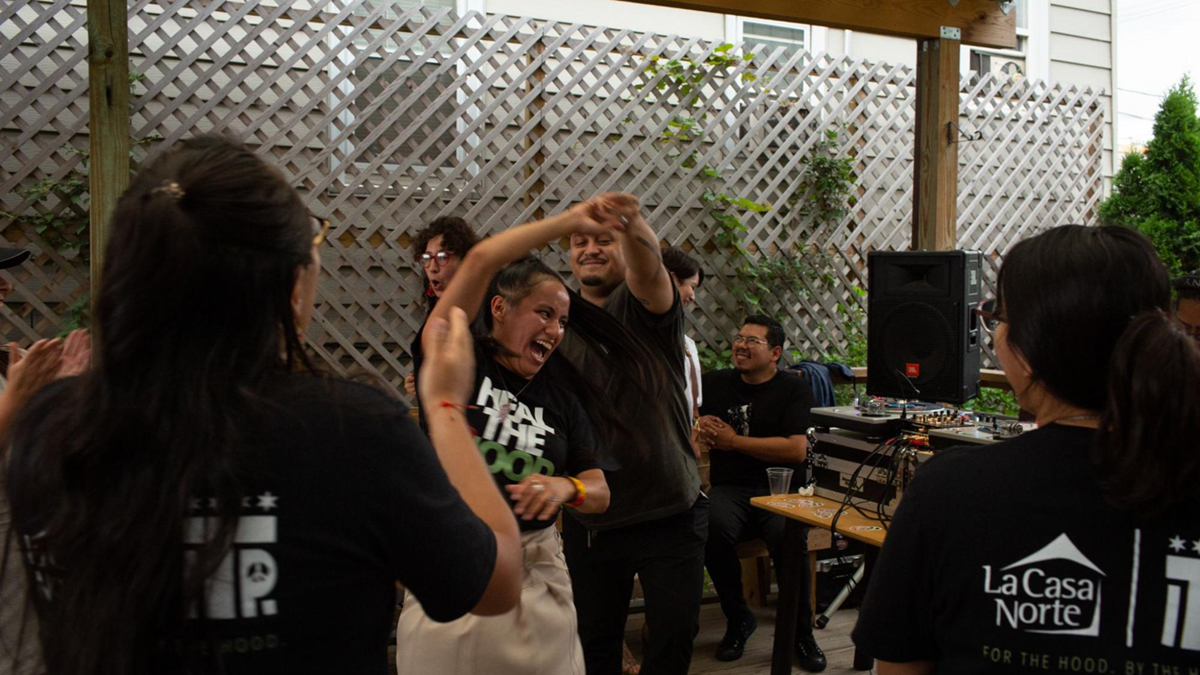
[(982, 22)]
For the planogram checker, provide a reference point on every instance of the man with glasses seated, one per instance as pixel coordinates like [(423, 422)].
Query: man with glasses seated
[(754, 416), (1187, 303)]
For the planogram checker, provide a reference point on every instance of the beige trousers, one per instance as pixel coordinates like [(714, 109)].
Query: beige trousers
[(538, 637)]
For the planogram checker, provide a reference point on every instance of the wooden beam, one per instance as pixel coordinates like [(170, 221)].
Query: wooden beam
[(981, 21), (108, 120), (935, 165), (988, 378)]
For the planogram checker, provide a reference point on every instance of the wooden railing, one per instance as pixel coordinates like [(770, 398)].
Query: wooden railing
[(988, 377)]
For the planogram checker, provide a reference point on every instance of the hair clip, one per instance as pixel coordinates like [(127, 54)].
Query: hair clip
[(171, 188)]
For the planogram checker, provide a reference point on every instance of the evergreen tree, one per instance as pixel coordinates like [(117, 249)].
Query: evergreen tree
[(1159, 192)]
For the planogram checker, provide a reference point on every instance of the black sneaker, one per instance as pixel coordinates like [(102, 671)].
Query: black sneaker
[(811, 657), (731, 646)]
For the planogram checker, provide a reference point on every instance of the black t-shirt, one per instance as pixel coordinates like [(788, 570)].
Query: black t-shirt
[(1006, 559), (343, 497), (417, 357), (657, 475), (528, 426), (778, 407)]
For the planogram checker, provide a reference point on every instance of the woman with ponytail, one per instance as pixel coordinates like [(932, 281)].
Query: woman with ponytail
[(1074, 547), (530, 412), (201, 500)]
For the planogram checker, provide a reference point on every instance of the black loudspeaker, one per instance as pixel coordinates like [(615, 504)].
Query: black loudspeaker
[(922, 335)]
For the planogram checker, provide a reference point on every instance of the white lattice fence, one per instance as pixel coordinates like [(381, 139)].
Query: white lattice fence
[(385, 122)]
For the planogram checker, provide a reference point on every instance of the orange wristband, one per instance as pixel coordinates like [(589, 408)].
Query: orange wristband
[(580, 492)]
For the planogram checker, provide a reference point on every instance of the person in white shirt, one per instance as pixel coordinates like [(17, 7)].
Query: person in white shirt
[(687, 275)]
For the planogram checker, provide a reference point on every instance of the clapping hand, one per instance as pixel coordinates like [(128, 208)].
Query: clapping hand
[(29, 372), (715, 432), (76, 354)]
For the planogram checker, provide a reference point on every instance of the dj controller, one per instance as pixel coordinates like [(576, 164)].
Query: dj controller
[(880, 443)]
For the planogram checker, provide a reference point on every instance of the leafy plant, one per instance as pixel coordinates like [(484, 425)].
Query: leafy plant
[(1159, 192), (769, 284), (712, 359), (996, 401), (59, 215), (854, 336), (827, 184)]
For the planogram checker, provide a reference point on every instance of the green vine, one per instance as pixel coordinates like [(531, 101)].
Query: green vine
[(684, 77), (58, 214), (825, 194), (826, 191)]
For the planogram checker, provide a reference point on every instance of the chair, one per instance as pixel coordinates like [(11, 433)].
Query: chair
[(756, 567)]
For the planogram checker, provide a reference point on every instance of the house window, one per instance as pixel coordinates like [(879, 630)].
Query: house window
[(1010, 63), (766, 36), (404, 102), (773, 35)]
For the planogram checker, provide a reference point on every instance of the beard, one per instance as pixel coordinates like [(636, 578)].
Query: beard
[(592, 280)]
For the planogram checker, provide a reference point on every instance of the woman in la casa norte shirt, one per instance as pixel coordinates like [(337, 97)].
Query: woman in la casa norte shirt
[(531, 429), (1073, 548)]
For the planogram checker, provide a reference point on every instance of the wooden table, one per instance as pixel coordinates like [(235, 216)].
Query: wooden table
[(801, 511)]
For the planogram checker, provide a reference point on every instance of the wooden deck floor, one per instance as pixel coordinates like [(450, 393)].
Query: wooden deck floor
[(834, 640)]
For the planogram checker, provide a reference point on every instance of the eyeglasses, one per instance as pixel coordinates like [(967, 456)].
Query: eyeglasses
[(990, 315), (442, 257), (750, 340), (320, 228)]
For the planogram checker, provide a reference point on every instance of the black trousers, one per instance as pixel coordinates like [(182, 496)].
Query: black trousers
[(667, 555), (731, 520)]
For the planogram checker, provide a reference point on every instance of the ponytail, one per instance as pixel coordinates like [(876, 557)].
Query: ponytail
[(1147, 453)]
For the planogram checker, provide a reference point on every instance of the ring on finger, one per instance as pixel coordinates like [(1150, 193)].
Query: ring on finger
[(553, 500), (538, 487)]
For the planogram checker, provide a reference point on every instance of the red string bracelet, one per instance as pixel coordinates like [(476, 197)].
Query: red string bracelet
[(457, 406)]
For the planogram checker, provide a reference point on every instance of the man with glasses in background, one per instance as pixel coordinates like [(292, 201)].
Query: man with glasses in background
[(754, 417), (1187, 303)]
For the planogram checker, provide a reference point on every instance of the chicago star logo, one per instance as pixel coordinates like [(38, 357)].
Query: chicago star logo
[(1055, 590), (1181, 616), (243, 585)]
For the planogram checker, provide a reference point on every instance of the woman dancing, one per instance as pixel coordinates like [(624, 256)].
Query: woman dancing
[(529, 415)]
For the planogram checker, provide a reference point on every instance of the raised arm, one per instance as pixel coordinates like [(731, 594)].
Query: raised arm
[(485, 259), (445, 381), (645, 275)]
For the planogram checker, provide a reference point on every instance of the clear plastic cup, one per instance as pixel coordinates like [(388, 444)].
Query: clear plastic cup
[(780, 479)]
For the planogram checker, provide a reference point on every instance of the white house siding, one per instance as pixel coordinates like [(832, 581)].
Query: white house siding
[(1081, 39), (1083, 51), (614, 14)]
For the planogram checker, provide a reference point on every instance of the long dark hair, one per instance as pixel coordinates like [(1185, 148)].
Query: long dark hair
[(1087, 309), (457, 236), (194, 313), (632, 369)]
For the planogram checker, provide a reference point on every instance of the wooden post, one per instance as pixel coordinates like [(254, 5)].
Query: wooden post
[(108, 119), (534, 112), (935, 165)]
